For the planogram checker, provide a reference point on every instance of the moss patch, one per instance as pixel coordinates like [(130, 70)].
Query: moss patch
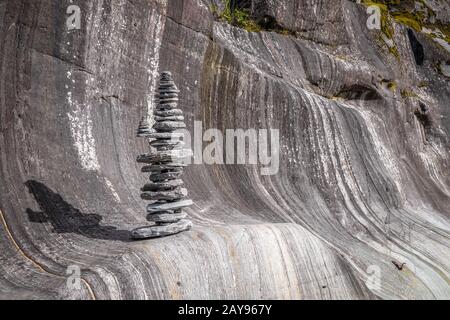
[(238, 17), (407, 93), (241, 18), (404, 12)]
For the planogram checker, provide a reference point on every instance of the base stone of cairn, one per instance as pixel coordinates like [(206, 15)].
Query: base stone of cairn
[(165, 163)]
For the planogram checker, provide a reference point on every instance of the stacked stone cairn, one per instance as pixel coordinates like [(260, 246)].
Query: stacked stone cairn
[(165, 163), (144, 128)]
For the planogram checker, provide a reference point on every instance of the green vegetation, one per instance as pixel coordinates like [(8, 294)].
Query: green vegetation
[(407, 93), (390, 84), (411, 19), (386, 21), (423, 84), (238, 17), (403, 12), (241, 18), (387, 27)]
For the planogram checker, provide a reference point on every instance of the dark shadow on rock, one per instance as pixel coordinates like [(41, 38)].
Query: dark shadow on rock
[(417, 48), (64, 218)]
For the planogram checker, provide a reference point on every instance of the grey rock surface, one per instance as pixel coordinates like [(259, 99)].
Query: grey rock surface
[(363, 180)]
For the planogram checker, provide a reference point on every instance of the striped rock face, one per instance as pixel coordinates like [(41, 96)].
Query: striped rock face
[(358, 210), (165, 190)]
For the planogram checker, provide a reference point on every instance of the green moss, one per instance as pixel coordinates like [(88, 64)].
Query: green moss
[(410, 20), (387, 27), (238, 18), (423, 84), (390, 84), (407, 93), (443, 28), (394, 52), (241, 18), (386, 21), (214, 10)]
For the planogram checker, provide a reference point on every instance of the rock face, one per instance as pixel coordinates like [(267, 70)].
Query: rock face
[(166, 189), (363, 184)]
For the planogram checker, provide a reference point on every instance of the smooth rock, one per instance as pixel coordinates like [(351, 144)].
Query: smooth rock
[(167, 90), (168, 148), (167, 106), (168, 85), (162, 101), (167, 95), (173, 166), (166, 126), (165, 156), (159, 143), (161, 230), (176, 194), (168, 113), (166, 135), (157, 177), (156, 207), (169, 118), (166, 217), (160, 186)]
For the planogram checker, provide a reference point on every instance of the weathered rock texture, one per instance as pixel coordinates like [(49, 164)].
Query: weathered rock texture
[(364, 175)]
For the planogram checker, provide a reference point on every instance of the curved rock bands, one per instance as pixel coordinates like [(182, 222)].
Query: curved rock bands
[(165, 189), (365, 176)]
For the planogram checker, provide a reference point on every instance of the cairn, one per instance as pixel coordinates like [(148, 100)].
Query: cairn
[(165, 163), (144, 128)]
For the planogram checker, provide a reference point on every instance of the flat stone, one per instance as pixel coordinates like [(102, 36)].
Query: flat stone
[(176, 194), (168, 148), (166, 217), (166, 106), (167, 95), (157, 177), (165, 156), (168, 113), (169, 118), (161, 230), (161, 186), (166, 135), (168, 85), (166, 90), (173, 166), (158, 143), (157, 207), (166, 126), (167, 100)]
